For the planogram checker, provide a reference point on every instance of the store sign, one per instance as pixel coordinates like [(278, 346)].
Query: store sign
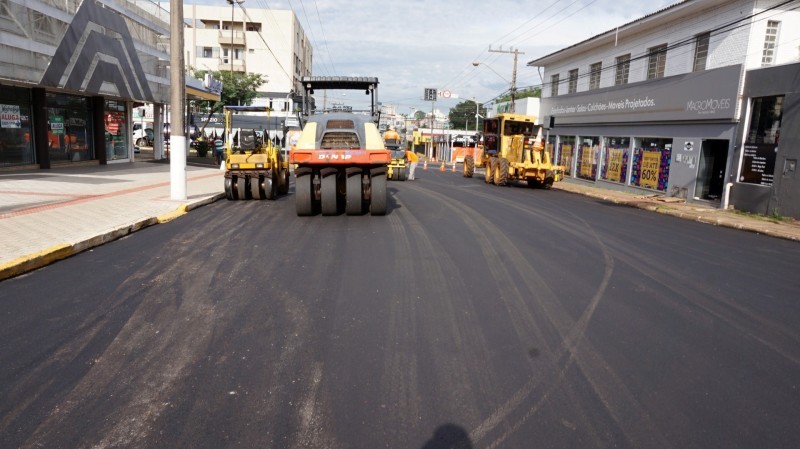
[(10, 116), (710, 94), (758, 164)]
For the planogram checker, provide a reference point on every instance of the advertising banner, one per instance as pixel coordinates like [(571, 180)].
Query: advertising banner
[(651, 164), (587, 159), (614, 170), (10, 116)]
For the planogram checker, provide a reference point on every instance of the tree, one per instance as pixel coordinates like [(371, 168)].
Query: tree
[(522, 93), (237, 89), (419, 115), (464, 113)]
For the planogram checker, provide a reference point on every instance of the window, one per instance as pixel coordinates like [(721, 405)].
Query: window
[(656, 62), (623, 68), (594, 75), (768, 56), (701, 52), (207, 52), (554, 85), (573, 81)]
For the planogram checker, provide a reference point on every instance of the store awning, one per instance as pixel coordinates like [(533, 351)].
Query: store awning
[(196, 91)]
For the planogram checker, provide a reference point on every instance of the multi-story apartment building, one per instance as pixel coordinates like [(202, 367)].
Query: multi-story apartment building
[(263, 41), (689, 101), (70, 72)]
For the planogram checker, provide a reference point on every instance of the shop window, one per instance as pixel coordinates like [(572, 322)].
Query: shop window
[(770, 40), (588, 156), (566, 150), (573, 81), (615, 160), (16, 145), (68, 128), (554, 85), (656, 62), (761, 145), (116, 136), (701, 52), (623, 64), (651, 162), (594, 75)]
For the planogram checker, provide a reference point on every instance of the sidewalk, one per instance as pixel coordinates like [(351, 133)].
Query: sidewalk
[(48, 215), (785, 228)]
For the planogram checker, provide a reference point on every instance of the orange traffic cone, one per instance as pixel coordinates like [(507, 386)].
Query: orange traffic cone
[(425, 165), (441, 168), (454, 166)]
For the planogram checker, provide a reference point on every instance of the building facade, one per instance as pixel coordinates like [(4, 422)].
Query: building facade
[(70, 74), (657, 104), (263, 41)]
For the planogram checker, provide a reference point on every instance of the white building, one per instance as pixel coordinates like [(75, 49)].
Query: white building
[(264, 41), (656, 103)]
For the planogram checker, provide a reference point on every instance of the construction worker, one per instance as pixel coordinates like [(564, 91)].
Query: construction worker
[(412, 159)]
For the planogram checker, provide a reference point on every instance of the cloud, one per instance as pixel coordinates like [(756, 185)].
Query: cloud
[(413, 44)]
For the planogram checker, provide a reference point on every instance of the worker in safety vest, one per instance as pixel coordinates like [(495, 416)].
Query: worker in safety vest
[(412, 162)]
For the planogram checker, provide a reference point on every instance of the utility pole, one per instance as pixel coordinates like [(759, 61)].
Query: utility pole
[(177, 138), (516, 53)]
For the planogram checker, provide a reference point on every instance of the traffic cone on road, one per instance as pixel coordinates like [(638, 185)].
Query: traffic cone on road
[(425, 165), (441, 168), (454, 167)]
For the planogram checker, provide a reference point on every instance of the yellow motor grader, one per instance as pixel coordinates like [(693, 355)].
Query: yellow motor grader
[(513, 149)]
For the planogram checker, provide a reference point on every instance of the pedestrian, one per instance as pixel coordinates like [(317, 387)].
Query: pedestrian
[(412, 159), (219, 148)]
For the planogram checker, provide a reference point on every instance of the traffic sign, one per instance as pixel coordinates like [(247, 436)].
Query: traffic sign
[(430, 94)]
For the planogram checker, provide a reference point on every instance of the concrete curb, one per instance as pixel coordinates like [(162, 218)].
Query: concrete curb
[(47, 256)]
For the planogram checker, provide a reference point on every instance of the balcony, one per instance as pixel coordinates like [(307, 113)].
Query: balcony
[(238, 37), (237, 66)]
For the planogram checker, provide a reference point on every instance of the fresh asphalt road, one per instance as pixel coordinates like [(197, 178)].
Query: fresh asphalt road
[(470, 316)]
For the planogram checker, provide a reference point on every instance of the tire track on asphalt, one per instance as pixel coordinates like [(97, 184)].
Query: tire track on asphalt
[(399, 379), (164, 334), (626, 411)]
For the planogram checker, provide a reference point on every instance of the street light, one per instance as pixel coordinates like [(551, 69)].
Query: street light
[(513, 84)]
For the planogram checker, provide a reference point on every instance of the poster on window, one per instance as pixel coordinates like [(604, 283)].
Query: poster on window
[(614, 170), (587, 160), (651, 164), (10, 116), (758, 163)]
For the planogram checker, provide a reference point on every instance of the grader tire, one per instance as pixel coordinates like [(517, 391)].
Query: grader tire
[(501, 172), (489, 176), (469, 166)]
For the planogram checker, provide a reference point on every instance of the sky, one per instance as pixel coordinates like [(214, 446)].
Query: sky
[(410, 45)]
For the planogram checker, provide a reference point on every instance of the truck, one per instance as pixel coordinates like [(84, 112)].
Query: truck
[(254, 167), (340, 160), (513, 150), (397, 166)]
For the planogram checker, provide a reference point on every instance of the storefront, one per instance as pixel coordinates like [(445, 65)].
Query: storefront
[(668, 136), (766, 181), (16, 142), (69, 128)]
